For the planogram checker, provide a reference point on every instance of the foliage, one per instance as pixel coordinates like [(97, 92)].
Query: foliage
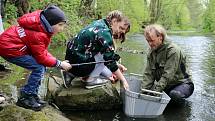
[(196, 10), (175, 14), (6, 25), (10, 11), (136, 10), (172, 14), (209, 17), (70, 8), (35, 5)]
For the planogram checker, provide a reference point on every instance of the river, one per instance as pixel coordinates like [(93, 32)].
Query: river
[(200, 51)]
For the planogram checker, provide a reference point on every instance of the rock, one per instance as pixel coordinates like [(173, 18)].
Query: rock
[(10, 112), (15, 113), (2, 99), (3, 68), (9, 92), (78, 98)]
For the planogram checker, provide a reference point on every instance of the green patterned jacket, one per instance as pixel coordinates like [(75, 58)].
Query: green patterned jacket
[(94, 38)]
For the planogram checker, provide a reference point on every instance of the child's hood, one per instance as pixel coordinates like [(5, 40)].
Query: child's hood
[(32, 21)]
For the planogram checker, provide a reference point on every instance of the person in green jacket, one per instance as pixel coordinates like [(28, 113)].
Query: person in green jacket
[(95, 43), (166, 68)]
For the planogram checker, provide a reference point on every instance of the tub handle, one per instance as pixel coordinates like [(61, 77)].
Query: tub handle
[(150, 91)]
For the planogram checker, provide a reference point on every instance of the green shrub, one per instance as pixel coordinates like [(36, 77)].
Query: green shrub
[(11, 12)]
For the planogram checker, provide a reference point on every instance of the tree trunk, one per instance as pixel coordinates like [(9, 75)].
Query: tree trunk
[(22, 7), (2, 6), (155, 8), (85, 8)]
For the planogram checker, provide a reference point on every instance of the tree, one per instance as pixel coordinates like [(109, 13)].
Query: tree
[(209, 17), (22, 7), (85, 8), (2, 7), (155, 10)]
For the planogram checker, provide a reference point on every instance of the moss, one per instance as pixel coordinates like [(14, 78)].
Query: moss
[(5, 88), (79, 98), (17, 73), (15, 113)]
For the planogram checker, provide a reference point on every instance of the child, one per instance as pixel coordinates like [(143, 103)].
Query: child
[(95, 43), (26, 45)]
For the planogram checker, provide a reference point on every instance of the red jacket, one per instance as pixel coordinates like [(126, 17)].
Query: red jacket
[(27, 38)]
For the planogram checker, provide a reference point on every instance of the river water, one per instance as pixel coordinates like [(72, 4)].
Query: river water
[(200, 51)]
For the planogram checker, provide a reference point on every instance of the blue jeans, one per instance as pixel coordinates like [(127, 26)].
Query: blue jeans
[(36, 75)]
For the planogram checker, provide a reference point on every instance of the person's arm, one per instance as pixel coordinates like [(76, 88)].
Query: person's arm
[(121, 77), (170, 68), (38, 49), (107, 49), (117, 69), (65, 65), (148, 79), (122, 67), (105, 43)]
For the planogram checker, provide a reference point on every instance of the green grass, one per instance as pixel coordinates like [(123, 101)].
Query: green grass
[(16, 74)]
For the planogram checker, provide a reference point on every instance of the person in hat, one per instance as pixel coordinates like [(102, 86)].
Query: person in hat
[(96, 43), (167, 68), (26, 45)]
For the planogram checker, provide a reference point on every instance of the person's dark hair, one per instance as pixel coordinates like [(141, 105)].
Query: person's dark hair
[(54, 15)]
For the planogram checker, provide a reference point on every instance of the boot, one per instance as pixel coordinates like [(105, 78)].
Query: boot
[(29, 102), (177, 96), (93, 82), (44, 103)]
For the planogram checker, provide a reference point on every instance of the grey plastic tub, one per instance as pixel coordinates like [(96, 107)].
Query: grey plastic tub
[(139, 105)]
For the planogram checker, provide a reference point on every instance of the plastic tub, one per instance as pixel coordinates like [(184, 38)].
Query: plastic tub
[(139, 105)]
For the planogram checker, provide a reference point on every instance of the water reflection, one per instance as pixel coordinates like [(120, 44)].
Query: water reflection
[(110, 115), (135, 62)]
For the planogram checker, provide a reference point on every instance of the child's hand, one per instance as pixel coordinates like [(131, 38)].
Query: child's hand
[(125, 85), (65, 65), (122, 68), (114, 79)]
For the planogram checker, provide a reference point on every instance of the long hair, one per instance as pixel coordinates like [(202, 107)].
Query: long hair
[(115, 14), (118, 15), (126, 23)]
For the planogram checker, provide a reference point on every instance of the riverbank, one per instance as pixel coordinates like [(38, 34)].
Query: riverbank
[(190, 33)]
